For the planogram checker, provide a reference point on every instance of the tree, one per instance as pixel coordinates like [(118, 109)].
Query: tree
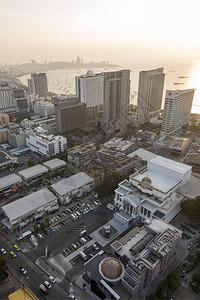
[(191, 208), (109, 184), (3, 268)]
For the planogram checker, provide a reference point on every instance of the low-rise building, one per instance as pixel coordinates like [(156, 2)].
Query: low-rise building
[(4, 134), (7, 159), (54, 164), (4, 119), (172, 146), (136, 260), (82, 154), (70, 188), (39, 141), (25, 210), (16, 138), (10, 183), (32, 174), (48, 124), (119, 145), (44, 108)]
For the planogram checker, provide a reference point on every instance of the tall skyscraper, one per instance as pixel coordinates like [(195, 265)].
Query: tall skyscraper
[(38, 84), (89, 90), (177, 110), (116, 101), (150, 93)]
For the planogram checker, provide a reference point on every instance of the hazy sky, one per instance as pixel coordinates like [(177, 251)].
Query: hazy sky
[(116, 30)]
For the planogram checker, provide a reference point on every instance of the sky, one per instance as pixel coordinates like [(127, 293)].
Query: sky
[(118, 31)]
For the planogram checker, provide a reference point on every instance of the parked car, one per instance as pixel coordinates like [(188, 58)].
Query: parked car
[(23, 270), (52, 230), (47, 284), (3, 251), (95, 246), (52, 279), (43, 289), (72, 297)]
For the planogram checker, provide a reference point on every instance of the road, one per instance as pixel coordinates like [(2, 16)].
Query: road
[(34, 276)]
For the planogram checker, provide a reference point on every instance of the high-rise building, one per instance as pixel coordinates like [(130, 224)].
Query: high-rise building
[(116, 101), (89, 90), (178, 104), (70, 114), (150, 93), (38, 84), (7, 103)]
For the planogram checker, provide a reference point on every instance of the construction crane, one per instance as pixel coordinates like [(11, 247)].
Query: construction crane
[(87, 160)]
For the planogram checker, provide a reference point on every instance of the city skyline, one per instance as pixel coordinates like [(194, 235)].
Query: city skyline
[(147, 30)]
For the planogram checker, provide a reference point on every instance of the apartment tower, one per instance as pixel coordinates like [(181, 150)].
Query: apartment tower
[(116, 101), (178, 104), (150, 91), (38, 84)]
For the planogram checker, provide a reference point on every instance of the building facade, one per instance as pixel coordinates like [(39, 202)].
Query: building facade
[(89, 90), (38, 84), (116, 101), (16, 138), (150, 92), (70, 114), (153, 191), (178, 104), (39, 141), (4, 119), (44, 108)]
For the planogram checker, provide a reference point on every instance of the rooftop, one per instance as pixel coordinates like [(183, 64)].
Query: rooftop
[(143, 154), (170, 164), (9, 180), (54, 163), (28, 204), (4, 156), (174, 142), (33, 171), (76, 181)]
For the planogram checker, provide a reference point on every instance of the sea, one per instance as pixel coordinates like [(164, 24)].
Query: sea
[(180, 74)]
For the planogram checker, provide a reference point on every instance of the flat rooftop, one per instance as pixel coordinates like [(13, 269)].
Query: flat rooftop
[(170, 141), (191, 188), (4, 156), (33, 172), (28, 204), (159, 180), (9, 180), (170, 164), (55, 163), (168, 204), (143, 154)]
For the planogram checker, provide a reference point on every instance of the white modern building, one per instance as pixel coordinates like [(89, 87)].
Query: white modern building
[(25, 210), (44, 108), (75, 186), (89, 90), (39, 141), (156, 191), (178, 104), (38, 84), (150, 93)]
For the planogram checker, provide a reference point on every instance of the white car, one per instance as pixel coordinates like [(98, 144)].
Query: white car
[(3, 251), (23, 270), (72, 297), (95, 246), (47, 284), (52, 279)]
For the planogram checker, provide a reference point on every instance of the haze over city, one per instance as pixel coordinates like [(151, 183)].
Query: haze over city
[(99, 149), (118, 31)]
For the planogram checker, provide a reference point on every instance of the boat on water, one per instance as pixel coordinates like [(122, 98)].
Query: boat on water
[(183, 77), (176, 83)]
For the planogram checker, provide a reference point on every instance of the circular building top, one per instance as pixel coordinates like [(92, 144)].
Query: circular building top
[(146, 179), (111, 269)]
